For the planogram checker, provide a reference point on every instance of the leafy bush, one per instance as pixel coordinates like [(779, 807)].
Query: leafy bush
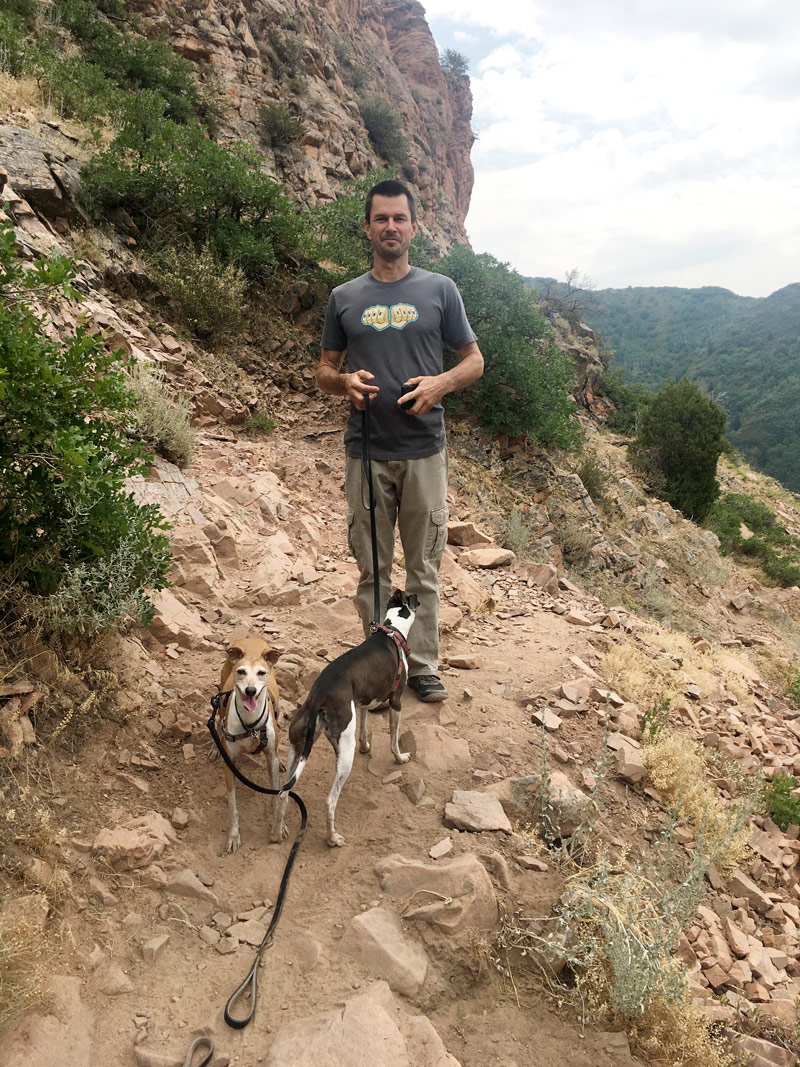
[(260, 424), (206, 295), (286, 50), (278, 126), (161, 420), (64, 460), (526, 384), (385, 128), (782, 806), (631, 400), (175, 182), (679, 442), (12, 43), (337, 229)]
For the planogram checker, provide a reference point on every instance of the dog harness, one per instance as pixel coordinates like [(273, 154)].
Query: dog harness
[(257, 729), (403, 651)]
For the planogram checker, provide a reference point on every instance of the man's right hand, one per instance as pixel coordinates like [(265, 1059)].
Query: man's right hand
[(359, 389)]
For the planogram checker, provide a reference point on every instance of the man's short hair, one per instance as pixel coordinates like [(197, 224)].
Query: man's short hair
[(390, 187)]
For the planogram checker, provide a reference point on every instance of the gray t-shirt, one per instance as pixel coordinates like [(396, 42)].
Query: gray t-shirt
[(396, 330)]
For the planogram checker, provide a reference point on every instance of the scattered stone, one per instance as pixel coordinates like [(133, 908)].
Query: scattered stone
[(250, 932), (474, 811), (532, 863), (441, 848), (547, 719), (112, 980), (179, 819), (414, 790), (153, 948), (186, 884), (567, 805), (135, 844)]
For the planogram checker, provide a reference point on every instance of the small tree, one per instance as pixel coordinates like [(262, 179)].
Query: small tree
[(453, 62), (679, 442)]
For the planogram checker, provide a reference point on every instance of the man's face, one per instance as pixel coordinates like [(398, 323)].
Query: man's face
[(390, 228)]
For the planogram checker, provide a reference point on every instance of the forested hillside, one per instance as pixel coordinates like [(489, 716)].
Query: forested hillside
[(744, 351)]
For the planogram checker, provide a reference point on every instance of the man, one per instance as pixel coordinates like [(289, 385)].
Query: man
[(391, 323)]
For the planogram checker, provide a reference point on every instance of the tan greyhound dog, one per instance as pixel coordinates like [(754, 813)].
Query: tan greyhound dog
[(247, 719)]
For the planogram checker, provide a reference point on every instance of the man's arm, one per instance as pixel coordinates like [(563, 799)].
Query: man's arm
[(331, 380), (430, 389)]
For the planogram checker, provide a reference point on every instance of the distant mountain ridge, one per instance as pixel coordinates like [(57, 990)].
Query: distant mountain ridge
[(744, 351)]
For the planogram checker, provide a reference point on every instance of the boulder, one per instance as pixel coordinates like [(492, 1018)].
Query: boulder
[(475, 811), (451, 895), (376, 939)]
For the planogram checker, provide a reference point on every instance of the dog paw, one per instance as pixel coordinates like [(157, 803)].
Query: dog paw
[(277, 836), (364, 746), (402, 757), (335, 840), (234, 841)]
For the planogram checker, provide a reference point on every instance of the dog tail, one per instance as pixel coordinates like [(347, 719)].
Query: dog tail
[(310, 712)]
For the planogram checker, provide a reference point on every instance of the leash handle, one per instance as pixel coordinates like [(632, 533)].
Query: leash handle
[(367, 466), (199, 1043)]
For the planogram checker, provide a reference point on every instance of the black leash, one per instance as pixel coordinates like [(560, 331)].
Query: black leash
[(367, 468), (250, 983)]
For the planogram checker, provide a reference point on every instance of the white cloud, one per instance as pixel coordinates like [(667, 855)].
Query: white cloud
[(649, 137)]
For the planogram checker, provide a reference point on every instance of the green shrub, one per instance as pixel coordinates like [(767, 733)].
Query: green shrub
[(162, 421), (575, 542), (12, 43), (278, 126), (75, 88), (793, 688), (527, 381), (385, 128), (175, 182), (631, 401), (337, 232), (782, 807), (207, 296), (65, 511), (260, 424), (731, 512), (680, 439), (287, 52)]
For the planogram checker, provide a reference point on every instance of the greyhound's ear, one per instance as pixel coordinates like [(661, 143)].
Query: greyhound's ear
[(272, 656), (234, 653)]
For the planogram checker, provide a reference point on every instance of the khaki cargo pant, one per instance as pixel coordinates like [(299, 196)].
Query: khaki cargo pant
[(412, 494)]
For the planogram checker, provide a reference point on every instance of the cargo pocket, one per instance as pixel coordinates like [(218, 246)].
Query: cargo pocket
[(350, 519), (437, 534)]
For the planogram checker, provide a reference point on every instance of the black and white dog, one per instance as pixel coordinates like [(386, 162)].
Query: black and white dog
[(364, 677)]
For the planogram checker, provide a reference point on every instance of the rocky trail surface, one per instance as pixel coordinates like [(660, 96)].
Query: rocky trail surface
[(380, 956)]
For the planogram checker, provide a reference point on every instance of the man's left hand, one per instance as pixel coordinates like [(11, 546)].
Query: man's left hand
[(427, 393)]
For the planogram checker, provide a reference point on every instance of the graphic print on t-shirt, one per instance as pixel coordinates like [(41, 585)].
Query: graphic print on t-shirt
[(398, 316)]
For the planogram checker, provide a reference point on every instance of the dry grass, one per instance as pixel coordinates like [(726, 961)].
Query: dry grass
[(24, 956), (677, 769)]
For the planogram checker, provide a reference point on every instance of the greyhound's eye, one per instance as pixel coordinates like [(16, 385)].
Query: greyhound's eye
[(262, 673), (241, 672)]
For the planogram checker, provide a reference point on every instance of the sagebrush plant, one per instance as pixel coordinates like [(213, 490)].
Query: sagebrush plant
[(161, 419), (767, 542), (516, 533), (208, 296), (64, 457), (677, 769), (575, 542), (595, 479)]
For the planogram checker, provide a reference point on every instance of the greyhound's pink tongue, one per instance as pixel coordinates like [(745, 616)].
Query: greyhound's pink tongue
[(250, 703)]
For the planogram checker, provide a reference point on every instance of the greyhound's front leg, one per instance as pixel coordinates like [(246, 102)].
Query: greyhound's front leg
[(234, 841)]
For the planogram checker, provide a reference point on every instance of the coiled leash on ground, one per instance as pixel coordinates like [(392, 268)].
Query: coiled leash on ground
[(250, 983)]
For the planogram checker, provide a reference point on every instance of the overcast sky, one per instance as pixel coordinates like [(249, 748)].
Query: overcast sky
[(643, 142)]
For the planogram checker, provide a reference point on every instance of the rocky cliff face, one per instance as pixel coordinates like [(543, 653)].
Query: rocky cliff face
[(317, 59)]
